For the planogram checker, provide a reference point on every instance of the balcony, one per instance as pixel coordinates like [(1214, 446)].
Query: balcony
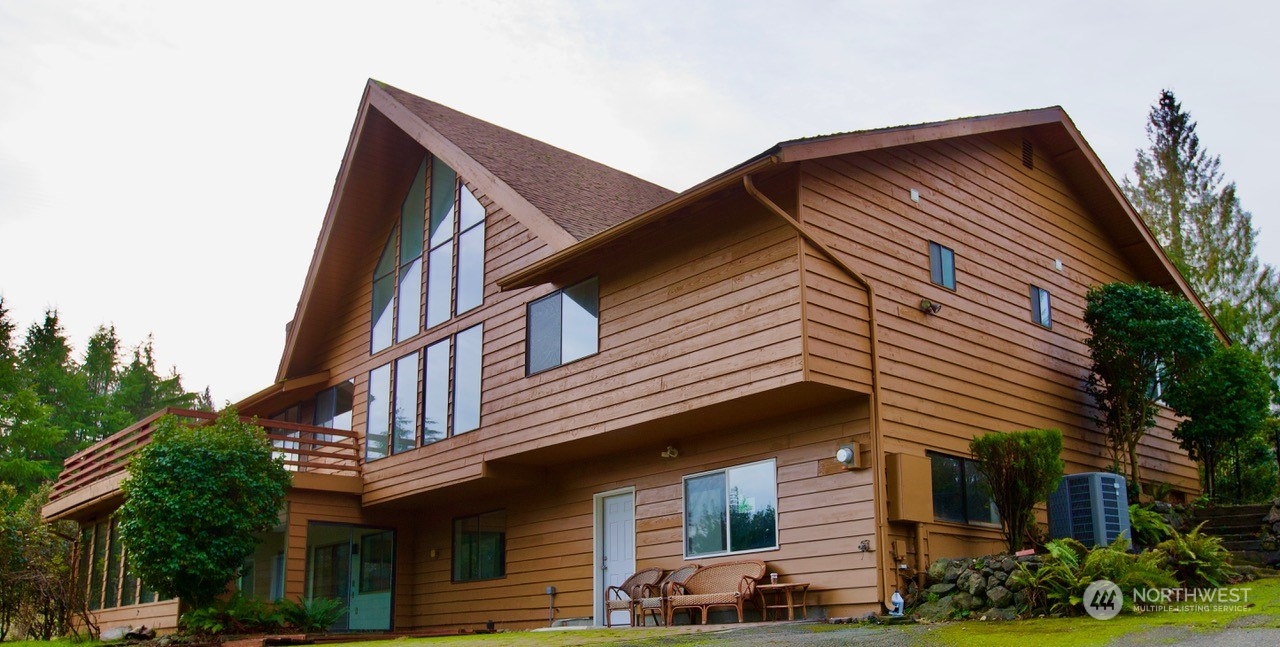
[(319, 458)]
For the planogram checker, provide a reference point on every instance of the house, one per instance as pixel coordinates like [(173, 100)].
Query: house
[(516, 375)]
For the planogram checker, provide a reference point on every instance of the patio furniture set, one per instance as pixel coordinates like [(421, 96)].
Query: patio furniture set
[(653, 592)]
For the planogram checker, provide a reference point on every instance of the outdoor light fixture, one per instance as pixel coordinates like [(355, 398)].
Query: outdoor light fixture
[(670, 452), (930, 308), (850, 456)]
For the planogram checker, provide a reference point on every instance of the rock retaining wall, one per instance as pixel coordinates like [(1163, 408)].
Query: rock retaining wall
[(976, 587)]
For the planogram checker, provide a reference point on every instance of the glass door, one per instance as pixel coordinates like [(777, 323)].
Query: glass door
[(354, 564)]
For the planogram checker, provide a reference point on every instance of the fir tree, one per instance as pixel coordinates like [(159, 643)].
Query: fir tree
[(1179, 191)]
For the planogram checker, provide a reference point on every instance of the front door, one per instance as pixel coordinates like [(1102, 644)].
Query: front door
[(353, 564), (617, 560)]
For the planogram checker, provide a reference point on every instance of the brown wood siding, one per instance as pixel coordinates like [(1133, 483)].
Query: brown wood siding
[(981, 364), (692, 314), (161, 616), (824, 513), (837, 333)]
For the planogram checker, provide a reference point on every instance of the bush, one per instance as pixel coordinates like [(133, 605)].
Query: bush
[(1198, 560), (1022, 469), (1148, 527), (311, 616), (236, 615), (194, 499), (1058, 585)]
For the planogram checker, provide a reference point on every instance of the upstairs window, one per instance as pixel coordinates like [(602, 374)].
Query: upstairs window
[(942, 266), (1041, 309), (446, 225), (451, 394), (563, 326), (960, 491)]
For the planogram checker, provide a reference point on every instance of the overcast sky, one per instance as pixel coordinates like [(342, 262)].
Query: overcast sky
[(165, 165)]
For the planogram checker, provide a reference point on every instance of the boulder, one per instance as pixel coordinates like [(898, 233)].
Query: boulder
[(999, 596), (939, 609), (1273, 516), (998, 578), (1020, 599), (114, 633), (938, 570), (969, 602), (1008, 564), (942, 589), (1001, 614), (977, 584), (954, 569)]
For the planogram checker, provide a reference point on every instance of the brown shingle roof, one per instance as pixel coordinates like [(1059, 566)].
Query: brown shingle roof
[(582, 196)]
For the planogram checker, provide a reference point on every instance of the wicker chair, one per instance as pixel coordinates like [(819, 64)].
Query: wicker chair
[(720, 585), (653, 602), (624, 596)]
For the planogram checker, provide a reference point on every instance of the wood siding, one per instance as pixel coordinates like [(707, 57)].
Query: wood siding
[(981, 364), (824, 513)]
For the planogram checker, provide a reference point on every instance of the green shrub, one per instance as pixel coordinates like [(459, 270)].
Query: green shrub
[(1148, 527), (311, 616), (236, 615), (1198, 560), (1058, 585), (1022, 469)]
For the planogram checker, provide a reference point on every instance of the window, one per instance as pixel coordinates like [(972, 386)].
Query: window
[(448, 224), (960, 491), (942, 266), (1041, 311), (563, 326), (731, 510), (377, 561), (377, 428), (392, 408), (453, 385), (480, 547), (333, 408)]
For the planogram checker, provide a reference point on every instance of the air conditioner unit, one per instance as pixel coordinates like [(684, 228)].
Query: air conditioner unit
[(1092, 508)]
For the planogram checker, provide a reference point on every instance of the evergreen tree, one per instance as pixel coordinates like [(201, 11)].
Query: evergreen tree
[(45, 366), (28, 439), (1180, 192)]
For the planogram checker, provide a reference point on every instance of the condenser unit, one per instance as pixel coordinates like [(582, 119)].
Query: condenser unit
[(1092, 508)]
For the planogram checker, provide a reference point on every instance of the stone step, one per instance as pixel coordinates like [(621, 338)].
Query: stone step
[(1257, 509), (1241, 545), (1242, 519)]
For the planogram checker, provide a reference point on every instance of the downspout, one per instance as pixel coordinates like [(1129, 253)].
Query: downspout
[(877, 440)]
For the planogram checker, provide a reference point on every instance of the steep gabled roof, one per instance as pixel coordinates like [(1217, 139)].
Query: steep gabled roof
[(582, 196), (558, 196)]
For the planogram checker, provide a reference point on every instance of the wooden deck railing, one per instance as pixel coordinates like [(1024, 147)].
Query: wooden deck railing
[(304, 448)]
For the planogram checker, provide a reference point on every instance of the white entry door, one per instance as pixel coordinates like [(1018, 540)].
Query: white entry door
[(618, 546)]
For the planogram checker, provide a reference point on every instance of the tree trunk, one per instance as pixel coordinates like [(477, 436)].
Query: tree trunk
[(1135, 474)]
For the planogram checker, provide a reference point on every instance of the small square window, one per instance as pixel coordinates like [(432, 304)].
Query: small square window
[(942, 266), (1041, 309), (563, 326)]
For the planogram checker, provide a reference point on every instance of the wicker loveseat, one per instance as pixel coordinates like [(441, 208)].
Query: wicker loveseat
[(729, 584)]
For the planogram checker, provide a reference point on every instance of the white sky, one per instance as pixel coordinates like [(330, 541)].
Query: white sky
[(165, 165)]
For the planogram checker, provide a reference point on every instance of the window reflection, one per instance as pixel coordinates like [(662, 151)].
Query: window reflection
[(466, 408)]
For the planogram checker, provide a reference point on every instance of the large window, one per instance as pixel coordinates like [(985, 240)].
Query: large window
[(942, 266), (564, 326), (480, 547), (960, 491), (333, 407), (102, 569), (392, 408), (731, 510), (451, 394), (448, 224)]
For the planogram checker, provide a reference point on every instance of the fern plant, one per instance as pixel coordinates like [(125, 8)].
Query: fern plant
[(1148, 527), (311, 616), (1198, 560)]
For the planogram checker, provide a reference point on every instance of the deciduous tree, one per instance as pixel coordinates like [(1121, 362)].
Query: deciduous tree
[(1140, 337), (194, 499)]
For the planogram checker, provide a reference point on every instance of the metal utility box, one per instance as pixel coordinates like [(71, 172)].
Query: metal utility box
[(1092, 508), (910, 487)]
